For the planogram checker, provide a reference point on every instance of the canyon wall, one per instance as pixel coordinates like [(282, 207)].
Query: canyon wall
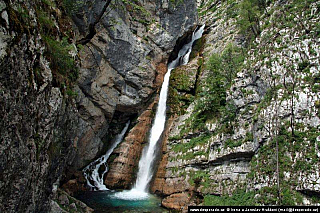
[(63, 100), (245, 114), (38, 118), (122, 68)]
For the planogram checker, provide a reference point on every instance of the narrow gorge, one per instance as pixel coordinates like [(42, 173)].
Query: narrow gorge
[(154, 106)]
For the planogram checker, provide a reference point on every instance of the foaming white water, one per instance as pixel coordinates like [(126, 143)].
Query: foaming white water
[(91, 172), (133, 194), (145, 173), (184, 53)]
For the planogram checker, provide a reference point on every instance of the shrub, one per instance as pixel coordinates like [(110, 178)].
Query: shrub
[(212, 97), (72, 6), (60, 59), (239, 198)]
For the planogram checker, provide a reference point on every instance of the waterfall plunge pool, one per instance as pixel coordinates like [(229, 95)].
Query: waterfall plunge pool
[(117, 201)]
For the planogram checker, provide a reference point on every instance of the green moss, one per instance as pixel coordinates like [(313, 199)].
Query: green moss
[(71, 93), (268, 196), (19, 20), (197, 48), (140, 13), (197, 178), (181, 80), (49, 3), (180, 90), (175, 3)]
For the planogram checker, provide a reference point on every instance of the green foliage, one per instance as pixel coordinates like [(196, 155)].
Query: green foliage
[(72, 6), (239, 198), (249, 137), (268, 196), (231, 10), (232, 143), (200, 178), (248, 19), (197, 47), (135, 7), (71, 93), (232, 59), (264, 164), (19, 20), (196, 141), (60, 59), (48, 3), (175, 2), (178, 102), (24, 13), (212, 95), (45, 21), (247, 14), (181, 80), (303, 65)]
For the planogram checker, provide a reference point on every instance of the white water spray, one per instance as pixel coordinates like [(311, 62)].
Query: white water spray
[(91, 172), (145, 171), (144, 176)]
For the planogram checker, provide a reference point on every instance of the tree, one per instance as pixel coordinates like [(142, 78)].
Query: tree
[(248, 20)]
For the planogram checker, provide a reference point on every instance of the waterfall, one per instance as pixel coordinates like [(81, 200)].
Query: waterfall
[(91, 172), (145, 173), (145, 164)]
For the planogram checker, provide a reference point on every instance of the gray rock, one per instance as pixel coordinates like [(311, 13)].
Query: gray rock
[(37, 125), (4, 15), (63, 199), (55, 208), (119, 66), (73, 206)]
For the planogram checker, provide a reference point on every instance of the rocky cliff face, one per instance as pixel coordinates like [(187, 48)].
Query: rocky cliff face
[(37, 117), (245, 127), (55, 116), (122, 68), (243, 122)]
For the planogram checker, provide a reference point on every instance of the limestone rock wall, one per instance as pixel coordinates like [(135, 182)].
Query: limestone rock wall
[(271, 106), (37, 134)]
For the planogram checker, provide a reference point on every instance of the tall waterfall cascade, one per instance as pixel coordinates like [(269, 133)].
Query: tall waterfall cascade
[(145, 173), (91, 172)]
